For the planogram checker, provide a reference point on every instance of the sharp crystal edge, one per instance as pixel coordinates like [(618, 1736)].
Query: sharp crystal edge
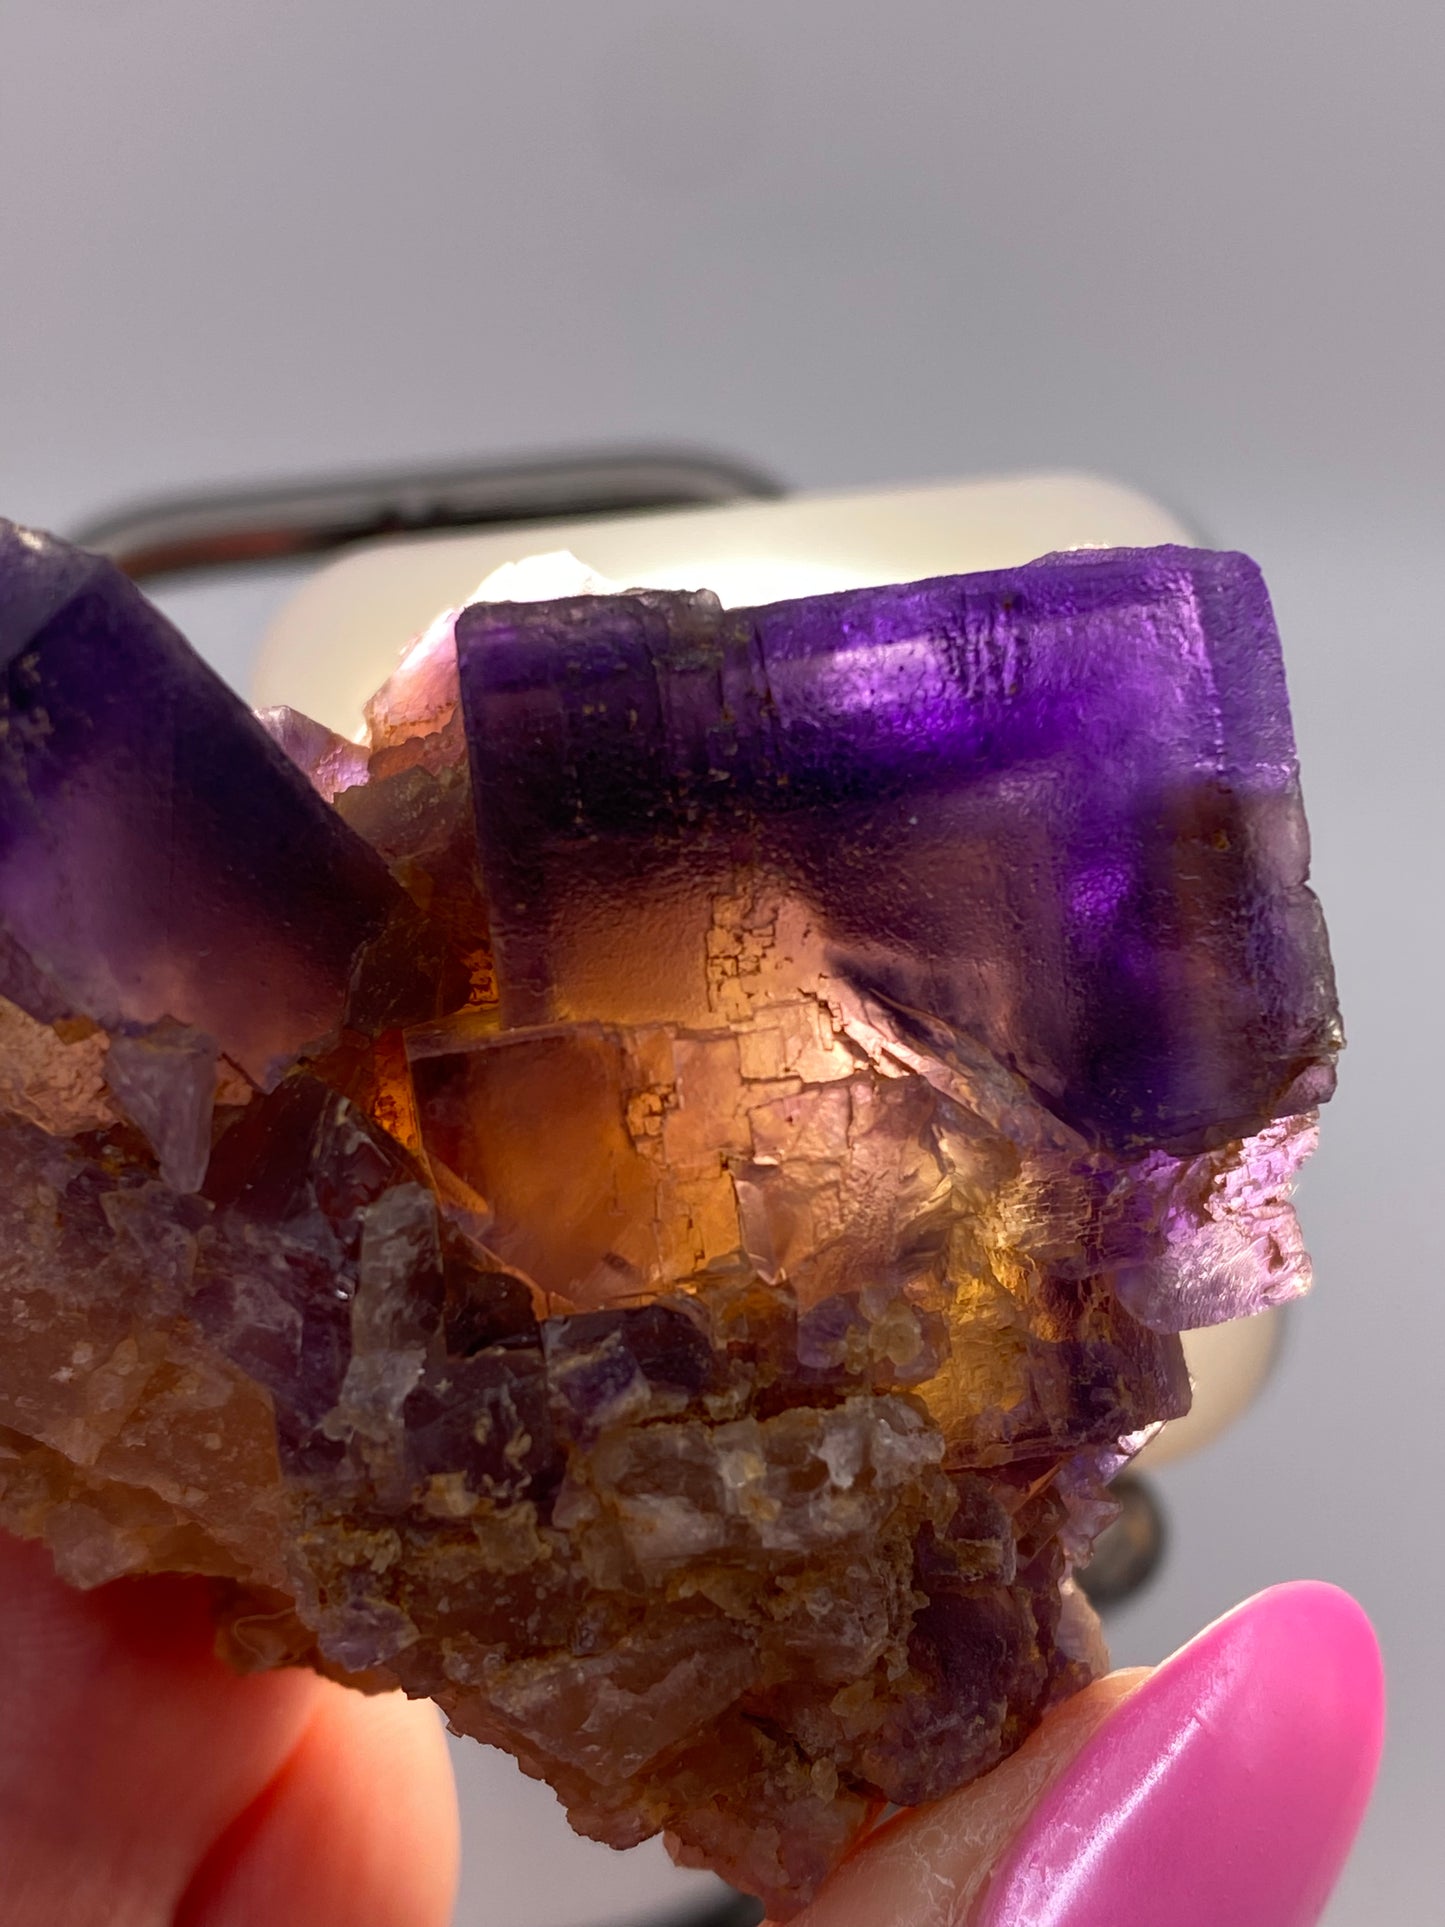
[(646, 1200)]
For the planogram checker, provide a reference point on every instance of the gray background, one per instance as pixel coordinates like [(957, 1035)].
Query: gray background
[(1196, 247)]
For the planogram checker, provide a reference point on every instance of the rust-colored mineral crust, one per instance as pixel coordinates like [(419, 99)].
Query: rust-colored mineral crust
[(646, 1200)]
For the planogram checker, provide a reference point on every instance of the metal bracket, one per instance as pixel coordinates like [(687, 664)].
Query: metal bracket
[(187, 534)]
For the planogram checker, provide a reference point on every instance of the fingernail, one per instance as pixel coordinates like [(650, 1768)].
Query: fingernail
[(1228, 1788)]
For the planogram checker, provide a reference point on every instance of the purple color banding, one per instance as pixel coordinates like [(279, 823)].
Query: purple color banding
[(160, 856), (1054, 808)]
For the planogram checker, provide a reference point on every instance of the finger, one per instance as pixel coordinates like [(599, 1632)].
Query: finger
[(1225, 1786), (929, 1864), (360, 1825), (129, 1754), (125, 1749)]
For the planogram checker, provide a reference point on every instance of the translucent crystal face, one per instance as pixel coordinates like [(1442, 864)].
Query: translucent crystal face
[(644, 1200), (906, 950), (911, 1218)]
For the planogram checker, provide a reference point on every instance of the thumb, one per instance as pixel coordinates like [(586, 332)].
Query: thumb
[(1227, 1785), (142, 1781)]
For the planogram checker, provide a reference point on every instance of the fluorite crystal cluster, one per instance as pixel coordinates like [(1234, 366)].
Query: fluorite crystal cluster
[(645, 1199)]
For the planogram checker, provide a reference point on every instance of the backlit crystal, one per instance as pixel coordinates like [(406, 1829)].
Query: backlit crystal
[(646, 1200)]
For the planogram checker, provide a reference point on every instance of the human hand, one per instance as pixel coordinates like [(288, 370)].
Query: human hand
[(1222, 1789), (141, 1783)]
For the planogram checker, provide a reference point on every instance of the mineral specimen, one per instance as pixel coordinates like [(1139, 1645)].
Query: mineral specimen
[(645, 1200)]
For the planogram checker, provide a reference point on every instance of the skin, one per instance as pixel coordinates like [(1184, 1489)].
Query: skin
[(927, 1867), (142, 1784)]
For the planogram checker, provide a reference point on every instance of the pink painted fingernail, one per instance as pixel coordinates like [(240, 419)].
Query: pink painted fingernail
[(1226, 1790)]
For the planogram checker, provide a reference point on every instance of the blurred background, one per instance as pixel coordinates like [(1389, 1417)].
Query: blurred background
[(1195, 248)]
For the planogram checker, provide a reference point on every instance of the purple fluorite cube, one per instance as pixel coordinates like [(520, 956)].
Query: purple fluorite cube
[(160, 857), (1054, 809)]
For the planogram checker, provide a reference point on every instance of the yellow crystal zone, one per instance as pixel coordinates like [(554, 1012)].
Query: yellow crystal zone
[(793, 1136)]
